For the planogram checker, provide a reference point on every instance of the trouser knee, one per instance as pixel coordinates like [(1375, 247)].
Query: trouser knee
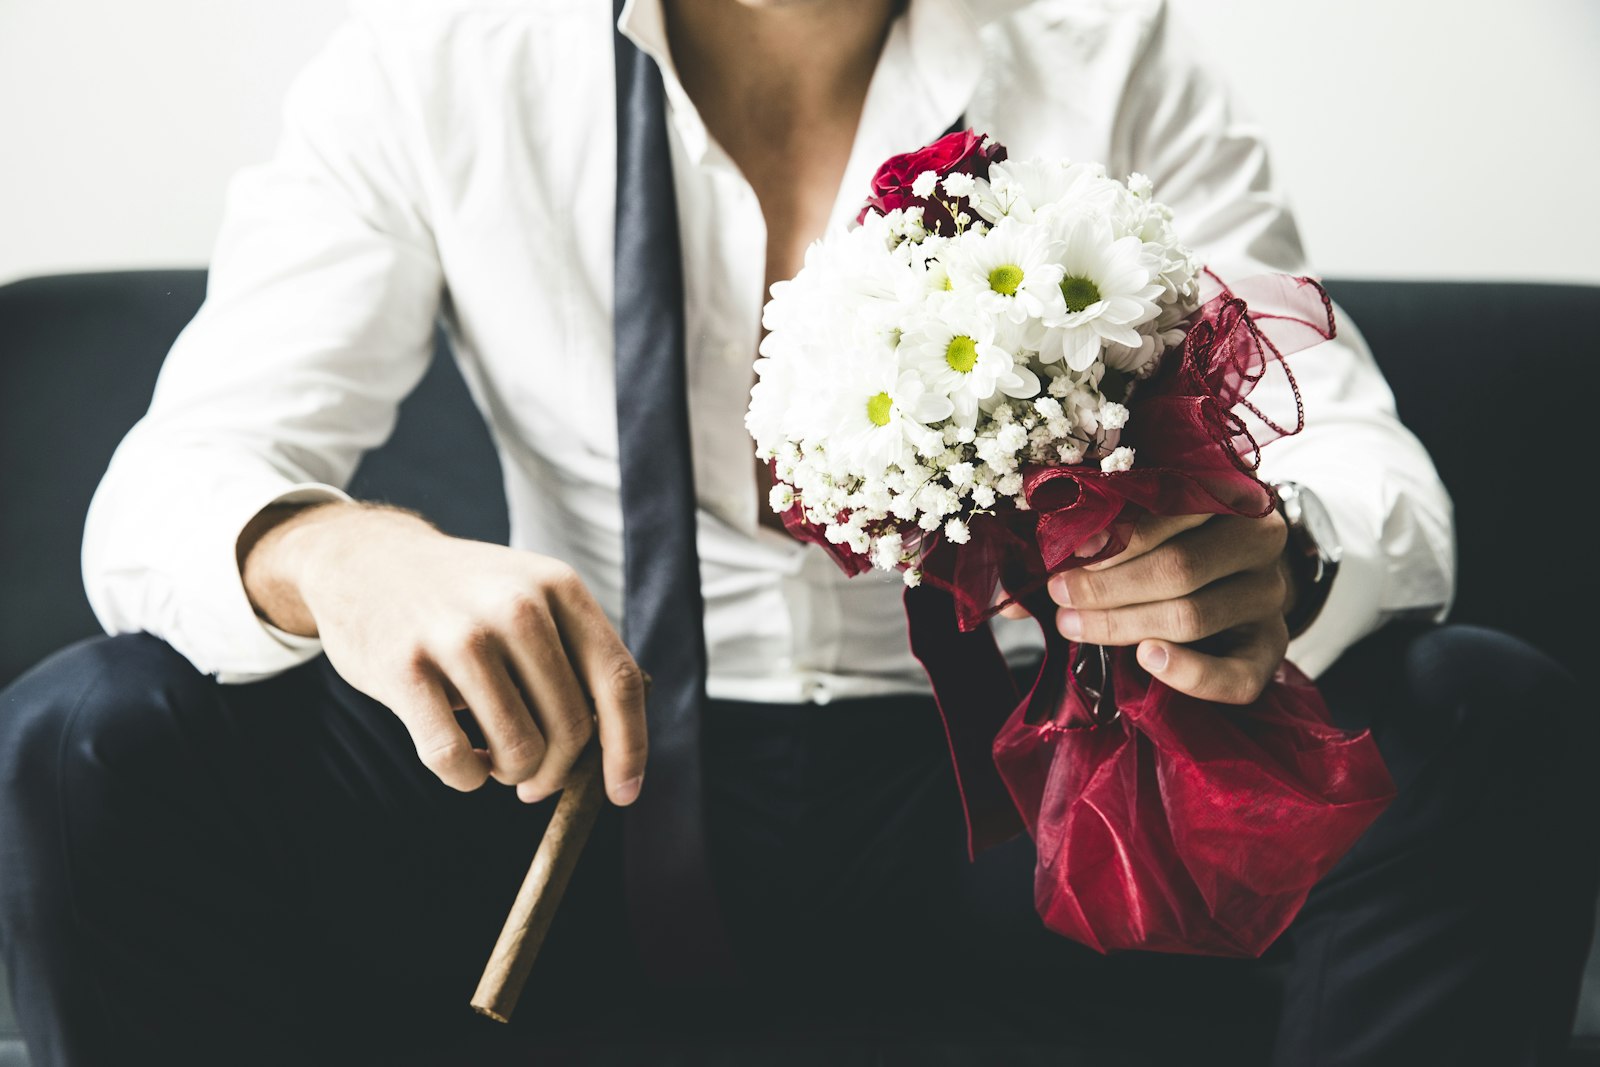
[(100, 709), (1512, 706), (1468, 671)]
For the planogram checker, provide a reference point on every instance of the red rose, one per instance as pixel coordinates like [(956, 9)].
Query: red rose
[(954, 153)]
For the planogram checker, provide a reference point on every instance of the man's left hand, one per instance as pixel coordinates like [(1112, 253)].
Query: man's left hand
[(1202, 596)]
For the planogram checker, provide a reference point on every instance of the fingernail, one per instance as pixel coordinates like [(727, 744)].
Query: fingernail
[(530, 796), (1058, 591), (1070, 623), (1093, 545), (1153, 658), (628, 791)]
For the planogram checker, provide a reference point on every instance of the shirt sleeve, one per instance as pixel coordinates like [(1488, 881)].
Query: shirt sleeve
[(1393, 516), (318, 320)]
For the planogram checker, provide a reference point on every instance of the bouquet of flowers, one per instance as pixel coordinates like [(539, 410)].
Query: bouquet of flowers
[(988, 380)]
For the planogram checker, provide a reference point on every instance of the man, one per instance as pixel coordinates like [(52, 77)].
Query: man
[(300, 859)]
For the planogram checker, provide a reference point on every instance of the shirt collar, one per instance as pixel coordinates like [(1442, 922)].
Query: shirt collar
[(644, 22), (927, 74)]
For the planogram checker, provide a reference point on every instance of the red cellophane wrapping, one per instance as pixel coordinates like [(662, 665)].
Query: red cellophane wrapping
[(1162, 822), (1167, 824)]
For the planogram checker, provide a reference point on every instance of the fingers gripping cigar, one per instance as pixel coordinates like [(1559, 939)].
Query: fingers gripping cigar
[(540, 895), (535, 906)]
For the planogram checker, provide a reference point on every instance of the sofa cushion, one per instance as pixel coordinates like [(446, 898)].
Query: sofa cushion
[(79, 355), (1496, 379)]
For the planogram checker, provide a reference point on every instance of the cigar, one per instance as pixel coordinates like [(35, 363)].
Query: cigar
[(540, 895)]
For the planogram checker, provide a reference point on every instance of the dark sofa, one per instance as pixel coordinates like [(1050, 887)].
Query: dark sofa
[(79, 355)]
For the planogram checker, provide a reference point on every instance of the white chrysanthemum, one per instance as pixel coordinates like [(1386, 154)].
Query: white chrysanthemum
[(839, 314), (868, 421), (955, 351), (767, 418), (1137, 215), (1138, 360), (1027, 189), (854, 288), (1107, 291), (1009, 269)]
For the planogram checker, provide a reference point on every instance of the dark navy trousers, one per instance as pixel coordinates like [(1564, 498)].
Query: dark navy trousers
[(265, 874)]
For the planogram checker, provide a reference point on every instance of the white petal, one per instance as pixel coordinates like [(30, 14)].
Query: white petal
[(1021, 383), (931, 407), (1080, 347), (1126, 311), (1115, 333)]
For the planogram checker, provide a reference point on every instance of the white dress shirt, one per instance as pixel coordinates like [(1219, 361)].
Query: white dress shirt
[(456, 159)]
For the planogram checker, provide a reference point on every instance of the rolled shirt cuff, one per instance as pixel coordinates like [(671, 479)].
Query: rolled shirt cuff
[(207, 616), (245, 647), (1354, 607)]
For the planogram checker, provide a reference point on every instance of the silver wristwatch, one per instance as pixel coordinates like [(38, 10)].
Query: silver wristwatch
[(1313, 552)]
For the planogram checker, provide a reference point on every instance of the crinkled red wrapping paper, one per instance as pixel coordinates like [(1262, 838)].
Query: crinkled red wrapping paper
[(1162, 822), (1178, 825)]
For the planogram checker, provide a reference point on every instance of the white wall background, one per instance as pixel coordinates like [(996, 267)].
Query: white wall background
[(1417, 138)]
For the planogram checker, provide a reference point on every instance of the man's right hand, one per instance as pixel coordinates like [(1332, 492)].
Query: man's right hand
[(427, 624)]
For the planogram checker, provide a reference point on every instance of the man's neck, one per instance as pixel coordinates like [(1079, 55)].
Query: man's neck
[(755, 72)]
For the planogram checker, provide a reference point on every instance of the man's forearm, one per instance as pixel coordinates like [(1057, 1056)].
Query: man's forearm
[(278, 547)]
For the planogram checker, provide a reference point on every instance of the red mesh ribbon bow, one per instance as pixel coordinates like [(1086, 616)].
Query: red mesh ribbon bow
[(1162, 822)]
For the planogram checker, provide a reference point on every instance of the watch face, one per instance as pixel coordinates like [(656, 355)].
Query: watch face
[(1319, 524), (1316, 552)]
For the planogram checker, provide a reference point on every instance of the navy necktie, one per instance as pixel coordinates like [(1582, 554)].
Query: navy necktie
[(671, 898)]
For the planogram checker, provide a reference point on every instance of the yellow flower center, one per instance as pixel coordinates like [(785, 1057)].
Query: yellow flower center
[(962, 355), (1079, 291), (1005, 279), (878, 409)]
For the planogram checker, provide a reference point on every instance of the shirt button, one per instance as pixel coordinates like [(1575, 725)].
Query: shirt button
[(819, 692)]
